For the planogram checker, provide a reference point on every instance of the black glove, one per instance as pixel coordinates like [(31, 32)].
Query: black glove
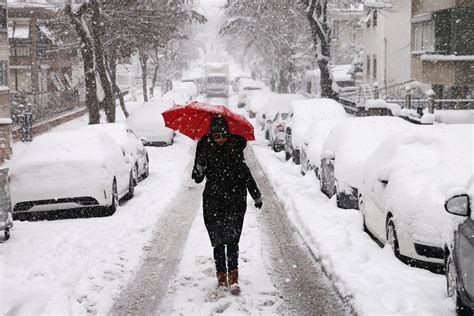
[(258, 202)]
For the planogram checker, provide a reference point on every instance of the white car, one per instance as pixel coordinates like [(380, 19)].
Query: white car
[(176, 97), (245, 86), (346, 148), (256, 101), (302, 114), (189, 89), (70, 170), (277, 112), (130, 144), (148, 124), (407, 181)]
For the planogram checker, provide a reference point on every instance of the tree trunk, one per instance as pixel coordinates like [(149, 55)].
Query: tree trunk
[(112, 71), (153, 82), (87, 52), (320, 34), (109, 100), (143, 62), (283, 81)]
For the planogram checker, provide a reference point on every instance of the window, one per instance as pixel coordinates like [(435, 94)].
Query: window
[(423, 36), (3, 73), (368, 67), (374, 68), (3, 17), (20, 51)]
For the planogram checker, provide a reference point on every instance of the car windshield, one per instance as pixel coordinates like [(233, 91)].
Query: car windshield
[(284, 116), (216, 79)]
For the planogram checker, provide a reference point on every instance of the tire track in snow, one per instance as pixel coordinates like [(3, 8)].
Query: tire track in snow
[(294, 270), (145, 292)]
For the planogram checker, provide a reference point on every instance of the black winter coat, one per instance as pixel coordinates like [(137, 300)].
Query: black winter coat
[(225, 194)]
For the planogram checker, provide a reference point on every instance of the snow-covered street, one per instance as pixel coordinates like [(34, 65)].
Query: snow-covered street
[(153, 254)]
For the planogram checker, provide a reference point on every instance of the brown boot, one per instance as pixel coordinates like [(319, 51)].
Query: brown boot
[(234, 282), (222, 279)]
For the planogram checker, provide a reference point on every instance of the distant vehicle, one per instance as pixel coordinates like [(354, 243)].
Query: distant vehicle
[(70, 170), (406, 181), (148, 125), (217, 82), (256, 101), (244, 87), (189, 89), (302, 114), (235, 82), (130, 144), (276, 112), (459, 262), (346, 148)]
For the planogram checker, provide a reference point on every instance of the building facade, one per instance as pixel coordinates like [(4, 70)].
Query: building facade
[(45, 68), (386, 42), (442, 47)]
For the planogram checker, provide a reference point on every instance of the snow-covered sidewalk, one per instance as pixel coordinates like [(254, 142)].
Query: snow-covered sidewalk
[(371, 278)]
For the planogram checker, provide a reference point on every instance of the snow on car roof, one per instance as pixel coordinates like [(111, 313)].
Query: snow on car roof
[(422, 165), (258, 99), (281, 102), (117, 131), (148, 116), (304, 112), (354, 139), (73, 145), (247, 82)]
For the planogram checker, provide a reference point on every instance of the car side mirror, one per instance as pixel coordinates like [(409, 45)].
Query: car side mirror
[(458, 205), (382, 176), (143, 140), (328, 155), (264, 116), (269, 121)]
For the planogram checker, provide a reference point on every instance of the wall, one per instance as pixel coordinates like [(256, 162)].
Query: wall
[(389, 41)]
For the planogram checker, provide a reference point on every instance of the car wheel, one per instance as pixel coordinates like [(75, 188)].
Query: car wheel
[(267, 135), (392, 239), (287, 155), (6, 234), (131, 187), (452, 286), (135, 175), (109, 210), (302, 170)]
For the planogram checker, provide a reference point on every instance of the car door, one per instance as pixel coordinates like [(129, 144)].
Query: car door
[(464, 249), (375, 214)]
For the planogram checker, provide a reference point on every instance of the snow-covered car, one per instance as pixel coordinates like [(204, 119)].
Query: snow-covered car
[(189, 89), (276, 113), (130, 144), (346, 148), (246, 85), (70, 170), (176, 97), (235, 81), (148, 125), (406, 181), (313, 141), (459, 251), (302, 113), (256, 101)]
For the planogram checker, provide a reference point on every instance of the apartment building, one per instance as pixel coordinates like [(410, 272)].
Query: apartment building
[(386, 41), (442, 49)]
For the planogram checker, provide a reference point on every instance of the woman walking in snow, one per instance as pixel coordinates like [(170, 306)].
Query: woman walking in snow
[(220, 159)]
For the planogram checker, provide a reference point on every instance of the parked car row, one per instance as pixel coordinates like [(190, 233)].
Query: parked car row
[(413, 184)]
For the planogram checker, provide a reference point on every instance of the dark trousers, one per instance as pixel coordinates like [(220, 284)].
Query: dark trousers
[(232, 257)]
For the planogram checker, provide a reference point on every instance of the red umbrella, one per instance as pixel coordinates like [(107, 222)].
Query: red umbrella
[(194, 118)]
